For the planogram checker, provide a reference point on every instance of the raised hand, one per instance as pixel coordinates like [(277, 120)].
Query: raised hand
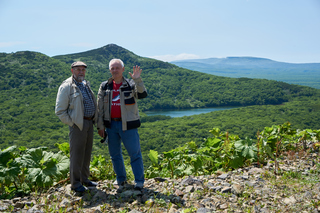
[(136, 72)]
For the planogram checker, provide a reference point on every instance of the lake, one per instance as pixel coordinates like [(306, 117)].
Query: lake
[(185, 112)]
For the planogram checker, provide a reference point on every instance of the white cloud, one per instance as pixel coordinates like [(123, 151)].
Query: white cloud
[(10, 43), (182, 56)]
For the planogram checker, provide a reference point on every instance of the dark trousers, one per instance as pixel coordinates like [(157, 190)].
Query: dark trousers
[(80, 153)]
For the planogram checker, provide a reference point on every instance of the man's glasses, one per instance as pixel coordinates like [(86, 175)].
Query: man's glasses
[(79, 69)]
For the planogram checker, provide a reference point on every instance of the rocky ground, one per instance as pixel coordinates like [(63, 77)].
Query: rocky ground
[(295, 188)]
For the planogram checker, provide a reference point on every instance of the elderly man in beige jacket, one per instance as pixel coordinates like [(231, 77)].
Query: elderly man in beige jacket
[(76, 106)]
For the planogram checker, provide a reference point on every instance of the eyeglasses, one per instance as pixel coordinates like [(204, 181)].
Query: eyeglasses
[(79, 69)]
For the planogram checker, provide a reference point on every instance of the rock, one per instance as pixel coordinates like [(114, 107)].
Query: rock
[(226, 190), (245, 177), (14, 200), (249, 183), (189, 189), (289, 201), (223, 176), (203, 210), (159, 179), (223, 206), (307, 195), (191, 181), (219, 172), (19, 205), (179, 193), (187, 181), (236, 189), (65, 203), (3, 208), (134, 211)]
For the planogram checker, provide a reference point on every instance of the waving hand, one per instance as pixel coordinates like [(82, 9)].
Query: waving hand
[(136, 72)]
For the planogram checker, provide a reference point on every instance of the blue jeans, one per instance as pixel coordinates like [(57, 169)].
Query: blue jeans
[(130, 139)]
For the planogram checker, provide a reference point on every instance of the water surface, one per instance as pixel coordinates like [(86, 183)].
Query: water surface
[(185, 112)]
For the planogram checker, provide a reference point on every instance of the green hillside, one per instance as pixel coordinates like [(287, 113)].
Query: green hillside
[(244, 121), (29, 82)]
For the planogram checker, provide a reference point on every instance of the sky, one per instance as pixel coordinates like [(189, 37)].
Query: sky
[(281, 30)]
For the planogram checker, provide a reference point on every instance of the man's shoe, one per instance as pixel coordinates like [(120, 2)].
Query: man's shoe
[(123, 183), (122, 186), (138, 186), (91, 183), (80, 189)]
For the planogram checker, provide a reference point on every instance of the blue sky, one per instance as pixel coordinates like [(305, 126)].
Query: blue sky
[(281, 30)]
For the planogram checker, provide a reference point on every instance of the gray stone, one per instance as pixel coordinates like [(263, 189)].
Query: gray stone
[(223, 206), (307, 195), (179, 192), (191, 181), (226, 190), (248, 183), (159, 179), (189, 189), (236, 189), (14, 200), (245, 177), (134, 211), (223, 176), (203, 210), (3, 208), (290, 200), (65, 202), (216, 188)]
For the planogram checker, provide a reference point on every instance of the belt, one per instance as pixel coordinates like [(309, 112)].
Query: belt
[(116, 119), (87, 118)]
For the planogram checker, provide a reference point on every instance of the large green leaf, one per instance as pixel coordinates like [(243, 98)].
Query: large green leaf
[(64, 147), (215, 131), (9, 174), (168, 154), (197, 163), (246, 148), (189, 170), (236, 162), (33, 157), (213, 142), (63, 162), (193, 146), (153, 155), (44, 167), (9, 167), (6, 155)]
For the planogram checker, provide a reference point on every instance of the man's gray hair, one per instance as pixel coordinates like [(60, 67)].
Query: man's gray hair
[(116, 60)]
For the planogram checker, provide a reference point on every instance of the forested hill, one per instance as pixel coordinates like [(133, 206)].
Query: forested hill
[(29, 82), (170, 86)]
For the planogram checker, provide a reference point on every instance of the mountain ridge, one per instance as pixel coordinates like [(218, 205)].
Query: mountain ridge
[(307, 74), (213, 60)]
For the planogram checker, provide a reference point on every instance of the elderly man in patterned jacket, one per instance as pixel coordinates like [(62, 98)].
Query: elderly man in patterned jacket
[(76, 107), (118, 114)]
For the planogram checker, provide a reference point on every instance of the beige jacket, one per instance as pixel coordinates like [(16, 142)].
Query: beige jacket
[(69, 104)]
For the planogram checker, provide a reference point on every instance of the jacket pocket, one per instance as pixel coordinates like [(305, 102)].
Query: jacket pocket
[(73, 98), (128, 98)]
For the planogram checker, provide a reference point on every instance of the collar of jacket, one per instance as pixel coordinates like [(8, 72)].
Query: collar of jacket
[(73, 81), (125, 82)]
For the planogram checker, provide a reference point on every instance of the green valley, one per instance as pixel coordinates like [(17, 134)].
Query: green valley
[(29, 82)]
